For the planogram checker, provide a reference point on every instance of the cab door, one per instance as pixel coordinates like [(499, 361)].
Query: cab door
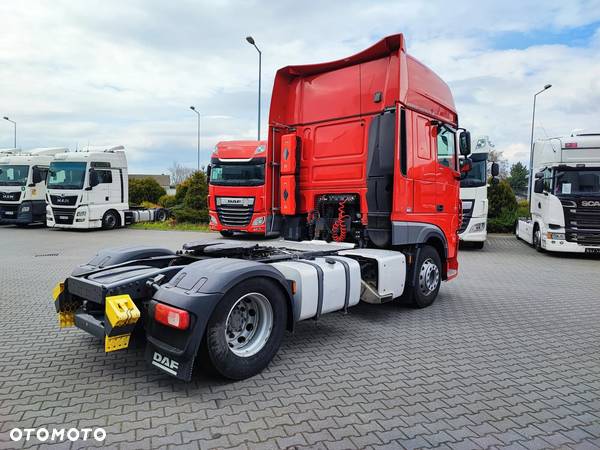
[(424, 167)]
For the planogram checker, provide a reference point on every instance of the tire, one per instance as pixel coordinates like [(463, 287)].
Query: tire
[(429, 279), (231, 348), (478, 245), (537, 240), (226, 233), (161, 215), (110, 220)]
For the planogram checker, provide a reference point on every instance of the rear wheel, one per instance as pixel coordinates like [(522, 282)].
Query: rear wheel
[(246, 329), (226, 233), (428, 279), (110, 220)]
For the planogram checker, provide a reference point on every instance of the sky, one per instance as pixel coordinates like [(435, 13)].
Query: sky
[(79, 73)]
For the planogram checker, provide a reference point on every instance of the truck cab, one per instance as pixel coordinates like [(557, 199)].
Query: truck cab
[(23, 185), (565, 195), (239, 193), (88, 189), (473, 195)]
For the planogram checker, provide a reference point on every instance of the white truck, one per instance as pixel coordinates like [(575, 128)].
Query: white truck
[(473, 194), (90, 190), (565, 196), (23, 185)]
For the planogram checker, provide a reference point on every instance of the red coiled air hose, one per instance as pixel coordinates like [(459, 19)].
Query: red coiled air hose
[(338, 230)]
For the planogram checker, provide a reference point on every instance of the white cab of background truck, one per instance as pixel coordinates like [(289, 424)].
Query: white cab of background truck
[(473, 194), (565, 196), (23, 185)]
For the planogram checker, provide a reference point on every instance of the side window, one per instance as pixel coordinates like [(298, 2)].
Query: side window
[(423, 146), (446, 148), (548, 180), (105, 176)]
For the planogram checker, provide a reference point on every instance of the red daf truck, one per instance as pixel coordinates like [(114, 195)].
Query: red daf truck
[(362, 151), (239, 188)]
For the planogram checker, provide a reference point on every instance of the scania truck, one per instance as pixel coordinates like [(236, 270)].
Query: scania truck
[(364, 149), (473, 194), (89, 189), (239, 189), (565, 196), (23, 185)]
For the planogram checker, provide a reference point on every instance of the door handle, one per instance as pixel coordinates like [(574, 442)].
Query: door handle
[(439, 208)]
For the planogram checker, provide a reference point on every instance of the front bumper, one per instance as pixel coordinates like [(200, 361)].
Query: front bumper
[(215, 225), (560, 245), (21, 214), (476, 230)]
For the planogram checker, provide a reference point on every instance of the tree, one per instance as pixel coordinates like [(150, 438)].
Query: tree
[(519, 177), (144, 189), (191, 197), (502, 211), (179, 173)]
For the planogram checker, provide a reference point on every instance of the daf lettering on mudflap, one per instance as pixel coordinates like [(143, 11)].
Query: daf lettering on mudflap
[(165, 363)]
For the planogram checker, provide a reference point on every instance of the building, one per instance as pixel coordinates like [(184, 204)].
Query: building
[(163, 180)]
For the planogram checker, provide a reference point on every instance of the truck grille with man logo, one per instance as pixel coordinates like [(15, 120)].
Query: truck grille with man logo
[(67, 200), (64, 216), (10, 196)]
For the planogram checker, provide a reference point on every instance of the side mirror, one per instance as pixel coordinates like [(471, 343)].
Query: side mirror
[(538, 186), (208, 170), (36, 176), (94, 180), (539, 175), (465, 167), (495, 169), (464, 143)]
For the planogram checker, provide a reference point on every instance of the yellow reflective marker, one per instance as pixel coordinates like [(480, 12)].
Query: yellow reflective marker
[(66, 319), (112, 343), (58, 289)]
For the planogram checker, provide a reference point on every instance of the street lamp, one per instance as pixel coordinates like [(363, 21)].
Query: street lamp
[(15, 124), (251, 41), (546, 87), (193, 108)]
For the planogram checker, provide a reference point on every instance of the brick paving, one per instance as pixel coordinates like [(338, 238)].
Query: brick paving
[(508, 357)]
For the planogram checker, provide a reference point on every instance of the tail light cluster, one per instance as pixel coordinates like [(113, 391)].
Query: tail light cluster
[(172, 317)]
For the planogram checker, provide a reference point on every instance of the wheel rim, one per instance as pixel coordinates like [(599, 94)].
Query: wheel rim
[(249, 324), (110, 221), (429, 276)]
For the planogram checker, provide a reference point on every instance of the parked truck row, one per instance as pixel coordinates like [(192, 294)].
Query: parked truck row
[(63, 189), (364, 152)]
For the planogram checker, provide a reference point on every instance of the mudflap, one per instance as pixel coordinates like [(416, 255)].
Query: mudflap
[(179, 366)]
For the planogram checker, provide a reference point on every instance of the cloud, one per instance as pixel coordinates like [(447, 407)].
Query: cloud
[(126, 73)]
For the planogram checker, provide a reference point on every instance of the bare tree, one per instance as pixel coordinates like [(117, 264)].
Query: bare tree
[(179, 173)]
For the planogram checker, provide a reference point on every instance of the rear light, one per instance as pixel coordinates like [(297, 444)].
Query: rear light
[(570, 144), (171, 317)]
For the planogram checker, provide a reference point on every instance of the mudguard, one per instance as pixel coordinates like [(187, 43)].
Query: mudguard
[(113, 256), (197, 288)]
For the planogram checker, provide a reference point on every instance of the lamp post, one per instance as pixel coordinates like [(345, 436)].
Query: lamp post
[(251, 41), (15, 124), (193, 108), (546, 87)]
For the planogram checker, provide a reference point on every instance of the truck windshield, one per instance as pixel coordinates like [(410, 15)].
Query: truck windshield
[(13, 175), (66, 175), (477, 176), (237, 174), (577, 182)]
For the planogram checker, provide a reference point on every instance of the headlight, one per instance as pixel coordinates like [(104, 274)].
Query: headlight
[(213, 220), (260, 149), (81, 213), (258, 221), (25, 208), (478, 227), (555, 236)]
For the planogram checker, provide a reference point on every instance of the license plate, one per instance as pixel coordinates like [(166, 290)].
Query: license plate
[(9, 213), (593, 250), (63, 217)]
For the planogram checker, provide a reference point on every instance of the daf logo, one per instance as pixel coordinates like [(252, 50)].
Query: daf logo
[(591, 203), (165, 363)]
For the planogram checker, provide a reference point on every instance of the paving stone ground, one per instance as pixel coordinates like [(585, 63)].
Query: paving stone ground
[(508, 356)]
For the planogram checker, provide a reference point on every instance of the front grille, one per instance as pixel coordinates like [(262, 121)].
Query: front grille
[(235, 215), (67, 200), (9, 211), (582, 225), (10, 196), (467, 213), (63, 216)]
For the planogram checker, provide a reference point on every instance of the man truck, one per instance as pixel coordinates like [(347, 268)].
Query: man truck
[(364, 148), (473, 195), (565, 196), (89, 189), (23, 185), (238, 190)]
